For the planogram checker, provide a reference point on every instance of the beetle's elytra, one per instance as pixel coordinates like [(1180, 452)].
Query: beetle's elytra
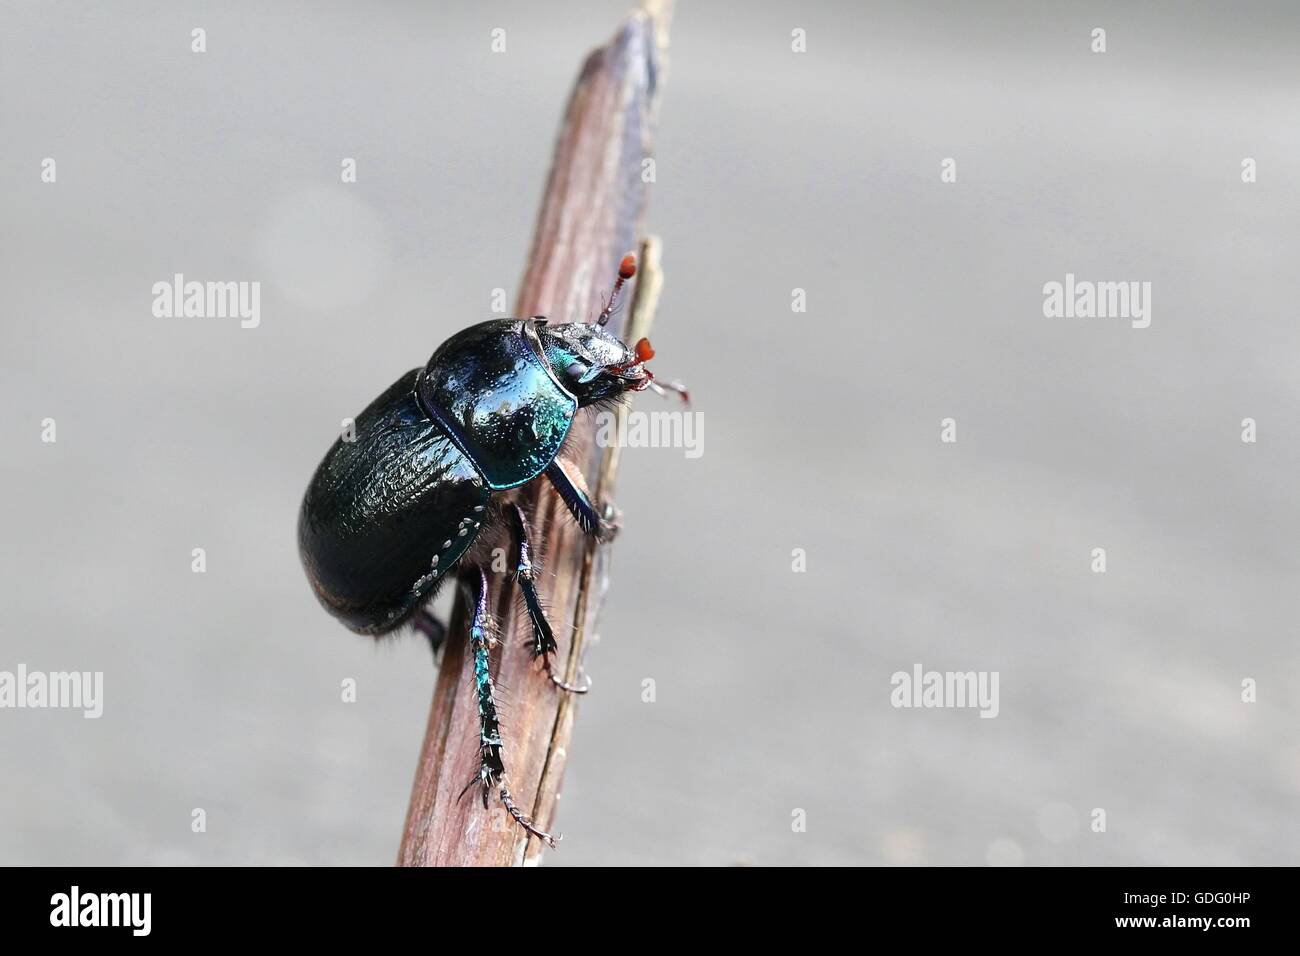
[(423, 492)]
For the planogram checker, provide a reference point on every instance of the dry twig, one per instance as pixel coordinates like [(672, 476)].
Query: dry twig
[(591, 214)]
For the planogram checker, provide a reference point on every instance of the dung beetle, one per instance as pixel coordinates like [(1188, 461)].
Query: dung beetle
[(427, 486)]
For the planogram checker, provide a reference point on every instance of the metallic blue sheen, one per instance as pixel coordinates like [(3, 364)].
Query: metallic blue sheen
[(499, 400)]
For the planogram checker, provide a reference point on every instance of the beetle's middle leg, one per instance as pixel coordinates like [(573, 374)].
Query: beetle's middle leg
[(492, 768), (543, 637)]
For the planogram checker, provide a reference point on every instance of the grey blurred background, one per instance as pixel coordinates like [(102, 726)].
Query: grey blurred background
[(776, 171)]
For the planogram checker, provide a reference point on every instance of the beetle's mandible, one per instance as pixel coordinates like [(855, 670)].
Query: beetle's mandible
[(425, 489)]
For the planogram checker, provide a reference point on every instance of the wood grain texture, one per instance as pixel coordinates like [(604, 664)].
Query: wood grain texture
[(592, 213)]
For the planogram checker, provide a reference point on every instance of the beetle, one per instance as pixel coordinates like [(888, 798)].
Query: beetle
[(428, 485)]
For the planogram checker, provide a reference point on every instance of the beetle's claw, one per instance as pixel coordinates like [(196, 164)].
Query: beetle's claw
[(582, 688), (526, 821), (611, 522)]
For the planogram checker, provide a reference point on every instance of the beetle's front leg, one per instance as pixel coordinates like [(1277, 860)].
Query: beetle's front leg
[(572, 487), (434, 630), (492, 769), (544, 644)]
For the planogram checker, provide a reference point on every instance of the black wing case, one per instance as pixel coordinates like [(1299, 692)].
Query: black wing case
[(387, 515)]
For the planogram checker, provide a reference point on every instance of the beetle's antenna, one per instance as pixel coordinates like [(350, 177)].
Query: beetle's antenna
[(626, 270)]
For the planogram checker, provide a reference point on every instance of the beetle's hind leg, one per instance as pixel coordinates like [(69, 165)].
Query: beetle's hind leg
[(492, 769), (543, 644)]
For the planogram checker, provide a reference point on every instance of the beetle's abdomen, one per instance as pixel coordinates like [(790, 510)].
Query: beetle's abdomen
[(494, 392), (386, 515)]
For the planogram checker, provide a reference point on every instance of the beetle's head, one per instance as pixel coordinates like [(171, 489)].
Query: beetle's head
[(592, 363)]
